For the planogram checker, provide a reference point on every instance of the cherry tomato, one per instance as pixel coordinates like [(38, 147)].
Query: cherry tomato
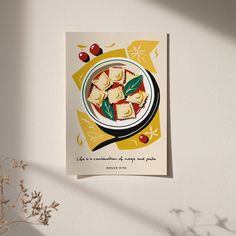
[(143, 138), (83, 56), (95, 49)]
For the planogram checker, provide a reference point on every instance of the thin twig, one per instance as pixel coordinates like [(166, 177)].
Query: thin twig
[(31, 209)]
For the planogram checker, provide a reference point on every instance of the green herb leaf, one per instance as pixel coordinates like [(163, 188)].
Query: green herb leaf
[(108, 110), (132, 85)]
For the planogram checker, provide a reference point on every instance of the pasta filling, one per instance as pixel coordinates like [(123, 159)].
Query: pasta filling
[(116, 74), (138, 98), (115, 95), (103, 82), (125, 111), (97, 96)]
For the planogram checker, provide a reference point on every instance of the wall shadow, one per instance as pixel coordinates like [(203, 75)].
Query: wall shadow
[(11, 77), (12, 38), (170, 173), (103, 199), (216, 15), (23, 230)]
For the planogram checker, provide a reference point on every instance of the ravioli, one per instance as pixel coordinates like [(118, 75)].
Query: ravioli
[(97, 96), (116, 74), (115, 94), (103, 82), (138, 98), (125, 111)]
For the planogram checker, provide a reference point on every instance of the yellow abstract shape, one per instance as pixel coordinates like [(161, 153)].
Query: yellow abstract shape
[(156, 52), (111, 45), (93, 134), (139, 51), (81, 46), (79, 140), (152, 131), (79, 75)]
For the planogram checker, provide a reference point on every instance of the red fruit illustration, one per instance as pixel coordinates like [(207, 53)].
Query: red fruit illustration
[(143, 138), (95, 49), (83, 56)]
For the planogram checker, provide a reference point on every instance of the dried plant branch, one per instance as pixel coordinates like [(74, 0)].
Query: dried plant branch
[(29, 206)]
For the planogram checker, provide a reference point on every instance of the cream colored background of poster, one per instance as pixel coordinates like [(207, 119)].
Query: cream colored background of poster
[(157, 149), (202, 102)]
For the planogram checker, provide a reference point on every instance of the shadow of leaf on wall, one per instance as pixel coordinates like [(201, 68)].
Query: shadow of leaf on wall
[(195, 228)]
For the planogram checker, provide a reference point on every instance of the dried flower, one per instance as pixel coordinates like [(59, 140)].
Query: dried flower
[(18, 164), (31, 208)]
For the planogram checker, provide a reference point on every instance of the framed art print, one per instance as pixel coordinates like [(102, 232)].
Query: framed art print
[(116, 91)]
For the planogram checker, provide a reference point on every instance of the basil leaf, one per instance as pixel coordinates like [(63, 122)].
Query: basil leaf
[(132, 85), (108, 110)]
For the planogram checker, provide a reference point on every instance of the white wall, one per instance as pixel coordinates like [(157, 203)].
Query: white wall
[(202, 104)]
